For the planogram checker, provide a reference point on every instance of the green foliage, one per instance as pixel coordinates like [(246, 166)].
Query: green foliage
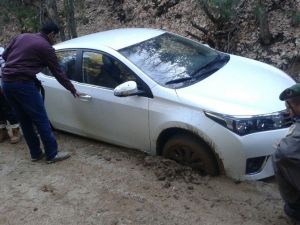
[(5, 18), (296, 18), (222, 10), (259, 9), (226, 8), (26, 15), (27, 18)]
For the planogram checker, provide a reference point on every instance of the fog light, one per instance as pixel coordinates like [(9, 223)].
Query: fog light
[(254, 165)]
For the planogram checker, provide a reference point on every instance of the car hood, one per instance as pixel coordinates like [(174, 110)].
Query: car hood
[(242, 87)]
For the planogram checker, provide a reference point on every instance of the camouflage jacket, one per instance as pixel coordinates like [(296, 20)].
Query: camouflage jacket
[(289, 146)]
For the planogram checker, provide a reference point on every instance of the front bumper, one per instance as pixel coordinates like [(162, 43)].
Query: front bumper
[(234, 151)]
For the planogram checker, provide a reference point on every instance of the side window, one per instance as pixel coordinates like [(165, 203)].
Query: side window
[(67, 61), (103, 70)]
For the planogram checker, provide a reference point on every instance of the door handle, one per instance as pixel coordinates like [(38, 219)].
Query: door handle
[(84, 97)]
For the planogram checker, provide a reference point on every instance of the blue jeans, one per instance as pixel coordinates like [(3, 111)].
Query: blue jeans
[(6, 113), (25, 98)]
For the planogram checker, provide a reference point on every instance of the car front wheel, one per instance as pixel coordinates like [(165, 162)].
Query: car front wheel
[(190, 151)]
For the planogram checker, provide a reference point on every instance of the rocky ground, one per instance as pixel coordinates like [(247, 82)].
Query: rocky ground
[(109, 185)]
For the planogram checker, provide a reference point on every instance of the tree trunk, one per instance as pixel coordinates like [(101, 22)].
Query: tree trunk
[(71, 25), (262, 16), (51, 8)]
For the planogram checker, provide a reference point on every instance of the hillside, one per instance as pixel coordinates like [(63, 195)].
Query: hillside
[(187, 17)]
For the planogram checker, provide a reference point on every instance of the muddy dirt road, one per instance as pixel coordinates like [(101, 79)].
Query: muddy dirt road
[(109, 185)]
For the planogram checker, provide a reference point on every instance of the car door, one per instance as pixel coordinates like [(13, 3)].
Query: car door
[(98, 113), (61, 106), (120, 120)]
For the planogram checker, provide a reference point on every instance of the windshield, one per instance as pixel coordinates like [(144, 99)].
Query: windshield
[(174, 61)]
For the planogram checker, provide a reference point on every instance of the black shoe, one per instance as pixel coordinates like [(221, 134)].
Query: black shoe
[(291, 212), (41, 156), (59, 157)]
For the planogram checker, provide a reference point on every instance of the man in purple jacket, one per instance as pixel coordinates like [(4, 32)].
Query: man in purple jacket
[(25, 56)]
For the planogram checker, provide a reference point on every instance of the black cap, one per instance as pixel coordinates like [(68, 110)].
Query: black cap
[(49, 27), (291, 92)]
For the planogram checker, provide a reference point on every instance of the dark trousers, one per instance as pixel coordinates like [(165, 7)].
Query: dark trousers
[(25, 98), (6, 113), (287, 173)]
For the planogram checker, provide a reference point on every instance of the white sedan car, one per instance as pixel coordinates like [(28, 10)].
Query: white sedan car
[(168, 95)]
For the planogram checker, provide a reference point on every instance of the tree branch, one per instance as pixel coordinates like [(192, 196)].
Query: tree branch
[(193, 35), (207, 12), (205, 31)]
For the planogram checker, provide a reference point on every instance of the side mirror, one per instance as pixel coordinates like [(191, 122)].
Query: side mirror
[(128, 88)]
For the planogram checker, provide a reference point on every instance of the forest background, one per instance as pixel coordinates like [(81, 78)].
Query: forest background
[(265, 30)]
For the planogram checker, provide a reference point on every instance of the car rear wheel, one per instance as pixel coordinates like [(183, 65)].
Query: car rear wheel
[(190, 151)]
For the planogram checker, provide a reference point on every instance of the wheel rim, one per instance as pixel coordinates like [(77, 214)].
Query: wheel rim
[(186, 156)]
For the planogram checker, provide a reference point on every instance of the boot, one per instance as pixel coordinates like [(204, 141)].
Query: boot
[(15, 135), (3, 132)]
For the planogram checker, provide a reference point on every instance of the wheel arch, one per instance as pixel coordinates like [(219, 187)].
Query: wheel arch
[(168, 133)]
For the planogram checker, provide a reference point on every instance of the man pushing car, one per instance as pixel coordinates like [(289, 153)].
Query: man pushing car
[(25, 56)]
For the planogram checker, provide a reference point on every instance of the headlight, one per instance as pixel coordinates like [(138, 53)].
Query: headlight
[(242, 125)]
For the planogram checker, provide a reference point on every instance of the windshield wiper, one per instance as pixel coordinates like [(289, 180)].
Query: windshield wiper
[(204, 71), (211, 67), (179, 80)]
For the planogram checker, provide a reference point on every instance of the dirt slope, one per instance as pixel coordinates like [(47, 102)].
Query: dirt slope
[(178, 16), (105, 184)]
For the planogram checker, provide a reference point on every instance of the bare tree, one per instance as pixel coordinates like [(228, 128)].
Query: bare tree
[(262, 17), (70, 18), (224, 15), (51, 8)]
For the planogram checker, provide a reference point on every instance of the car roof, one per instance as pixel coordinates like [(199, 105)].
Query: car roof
[(115, 39)]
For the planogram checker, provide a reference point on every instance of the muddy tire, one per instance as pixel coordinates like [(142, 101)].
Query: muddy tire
[(190, 151)]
